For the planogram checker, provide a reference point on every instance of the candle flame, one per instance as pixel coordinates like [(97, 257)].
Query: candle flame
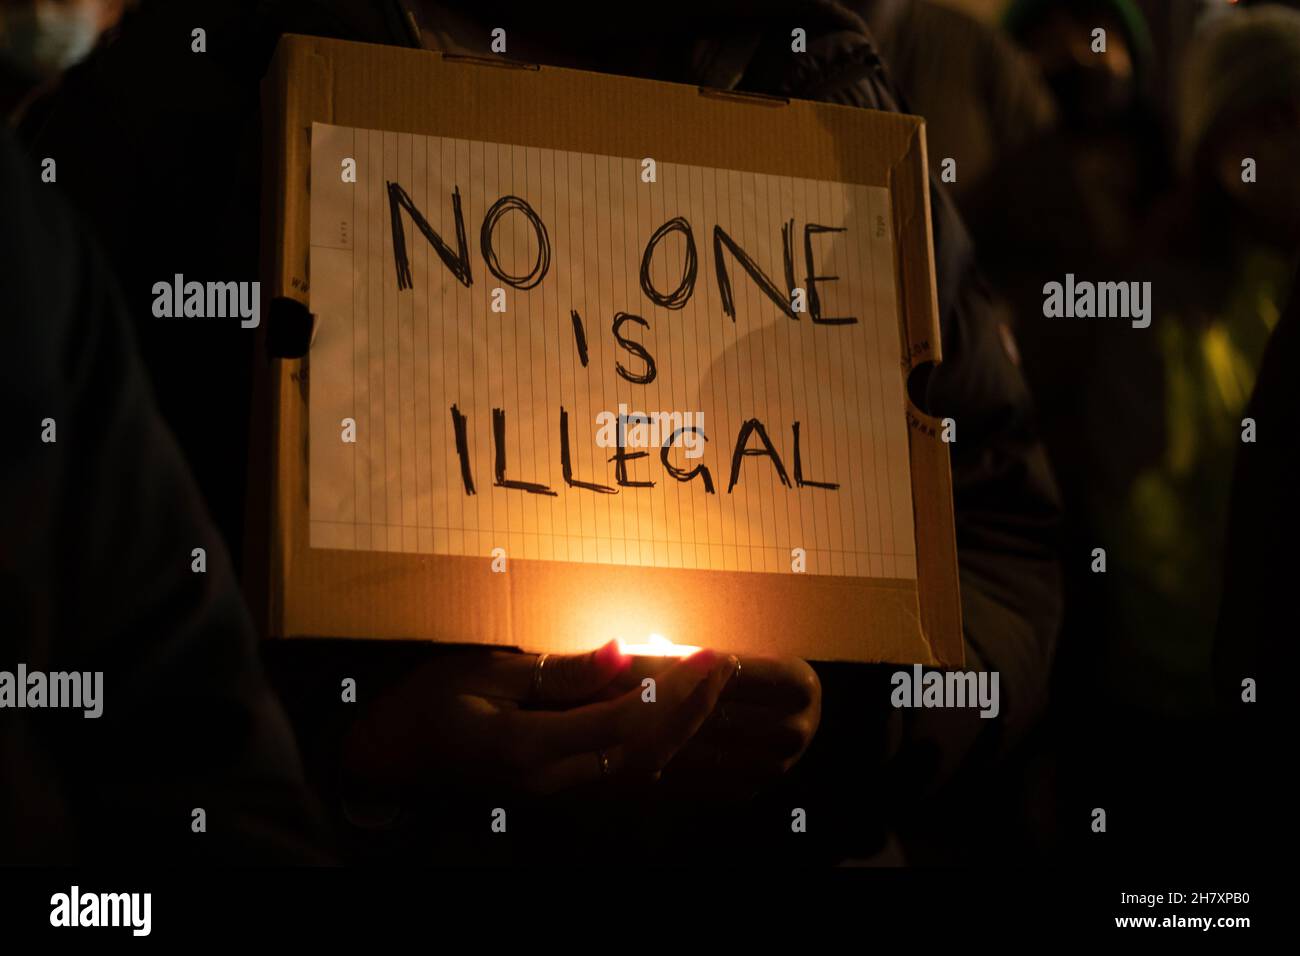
[(657, 646)]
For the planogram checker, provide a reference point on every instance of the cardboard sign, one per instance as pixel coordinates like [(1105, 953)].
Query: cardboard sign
[(599, 357)]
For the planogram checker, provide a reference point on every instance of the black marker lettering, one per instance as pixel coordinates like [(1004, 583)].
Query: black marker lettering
[(720, 238), (499, 208), (621, 458), (814, 301), (579, 336), (682, 294), (754, 425), (787, 254), (799, 479), (566, 464), (678, 473), (457, 262), (462, 449), (636, 348), (499, 438)]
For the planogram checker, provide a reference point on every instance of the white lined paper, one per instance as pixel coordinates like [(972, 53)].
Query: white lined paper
[(396, 361)]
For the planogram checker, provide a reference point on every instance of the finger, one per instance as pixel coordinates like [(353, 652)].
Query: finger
[(538, 739), (640, 668), (574, 678), (749, 758), (501, 675), (738, 758), (541, 737), (555, 734), (758, 727), (566, 773), (608, 766), (686, 703), (560, 679), (787, 683)]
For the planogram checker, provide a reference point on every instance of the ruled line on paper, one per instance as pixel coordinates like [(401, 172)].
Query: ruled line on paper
[(398, 348)]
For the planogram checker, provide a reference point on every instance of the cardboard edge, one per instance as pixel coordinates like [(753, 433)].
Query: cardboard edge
[(910, 186), (939, 599), (288, 245)]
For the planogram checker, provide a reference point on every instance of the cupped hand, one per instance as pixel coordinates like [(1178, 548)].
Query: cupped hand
[(483, 716), (764, 722)]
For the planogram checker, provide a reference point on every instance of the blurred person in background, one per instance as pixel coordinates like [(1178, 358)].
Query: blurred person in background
[(1143, 425), (1254, 655), (98, 516), (981, 96), (39, 39), (1227, 248), (1075, 197)]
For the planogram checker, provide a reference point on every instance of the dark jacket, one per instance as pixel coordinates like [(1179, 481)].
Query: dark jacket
[(1255, 640), (1254, 634), (97, 535)]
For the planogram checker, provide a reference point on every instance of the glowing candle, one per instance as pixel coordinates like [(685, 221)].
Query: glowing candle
[(657, 646), (655, 656)]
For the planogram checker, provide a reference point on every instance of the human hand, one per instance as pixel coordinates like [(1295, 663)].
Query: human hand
[(765, 720), (477, 714)]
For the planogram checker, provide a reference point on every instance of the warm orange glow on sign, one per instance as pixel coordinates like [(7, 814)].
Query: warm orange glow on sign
[(657, 646)]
